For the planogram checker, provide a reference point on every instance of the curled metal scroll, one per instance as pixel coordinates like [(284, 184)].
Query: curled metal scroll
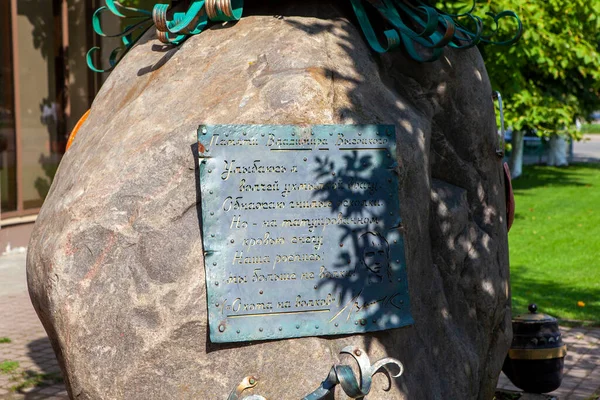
[(344, 376), (415, 24), (171, 27), (341, 375), (411, 23), (247, 383)]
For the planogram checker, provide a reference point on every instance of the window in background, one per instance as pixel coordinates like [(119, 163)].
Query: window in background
[(41, 66), (8, 151)]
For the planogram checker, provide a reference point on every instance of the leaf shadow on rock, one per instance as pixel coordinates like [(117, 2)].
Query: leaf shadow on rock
[(453, 287), (459, 291)]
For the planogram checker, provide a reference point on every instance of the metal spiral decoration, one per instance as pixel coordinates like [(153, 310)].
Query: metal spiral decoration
[(344, 376), (414, 24), (339, 374), (171, 27), (411, 23)]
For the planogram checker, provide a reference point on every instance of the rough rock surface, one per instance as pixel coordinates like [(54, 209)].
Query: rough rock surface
[(115, 265)]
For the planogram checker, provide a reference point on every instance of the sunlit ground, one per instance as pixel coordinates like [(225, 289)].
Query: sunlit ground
[(555, 241)]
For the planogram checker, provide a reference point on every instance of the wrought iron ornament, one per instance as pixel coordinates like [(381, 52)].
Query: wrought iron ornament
[(411, 23), (301, 230), (171, 27), (341, 375)]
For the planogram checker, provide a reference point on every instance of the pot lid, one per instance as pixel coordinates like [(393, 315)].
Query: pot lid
[(533, 316)]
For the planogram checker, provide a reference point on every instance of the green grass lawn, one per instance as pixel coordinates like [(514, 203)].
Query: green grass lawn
[(590, 128), (555, 241)]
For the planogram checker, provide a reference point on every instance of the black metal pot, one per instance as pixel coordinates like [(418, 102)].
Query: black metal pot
[(535, 360)]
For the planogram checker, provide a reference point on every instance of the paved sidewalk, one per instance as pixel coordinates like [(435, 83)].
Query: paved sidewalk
[(587, 150), (30, 347)]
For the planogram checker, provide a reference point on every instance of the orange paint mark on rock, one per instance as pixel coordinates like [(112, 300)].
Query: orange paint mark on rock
[(83, 118)]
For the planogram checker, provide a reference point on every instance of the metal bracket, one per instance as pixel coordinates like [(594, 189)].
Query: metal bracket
[(339, 374), (501, 144)]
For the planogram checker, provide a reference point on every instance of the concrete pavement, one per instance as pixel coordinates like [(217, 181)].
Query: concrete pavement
[(587, 150)]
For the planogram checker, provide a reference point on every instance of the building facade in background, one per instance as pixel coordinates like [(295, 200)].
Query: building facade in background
[(45, 87)]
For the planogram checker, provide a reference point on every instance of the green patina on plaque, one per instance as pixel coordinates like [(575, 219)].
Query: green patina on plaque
[(301, 230)]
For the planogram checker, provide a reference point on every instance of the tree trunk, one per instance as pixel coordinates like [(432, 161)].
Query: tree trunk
[(557, 155)]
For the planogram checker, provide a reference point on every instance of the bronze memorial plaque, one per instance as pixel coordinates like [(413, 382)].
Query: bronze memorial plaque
[(301, 230)]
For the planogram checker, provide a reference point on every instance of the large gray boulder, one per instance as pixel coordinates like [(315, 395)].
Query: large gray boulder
[(115, 264)]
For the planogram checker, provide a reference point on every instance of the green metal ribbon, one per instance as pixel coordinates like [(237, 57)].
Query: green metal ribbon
[(424, 30), (420, 26), (172, 27), (343, 375)]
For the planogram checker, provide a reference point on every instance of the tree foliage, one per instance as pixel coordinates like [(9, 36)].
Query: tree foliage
[(552, 75)]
